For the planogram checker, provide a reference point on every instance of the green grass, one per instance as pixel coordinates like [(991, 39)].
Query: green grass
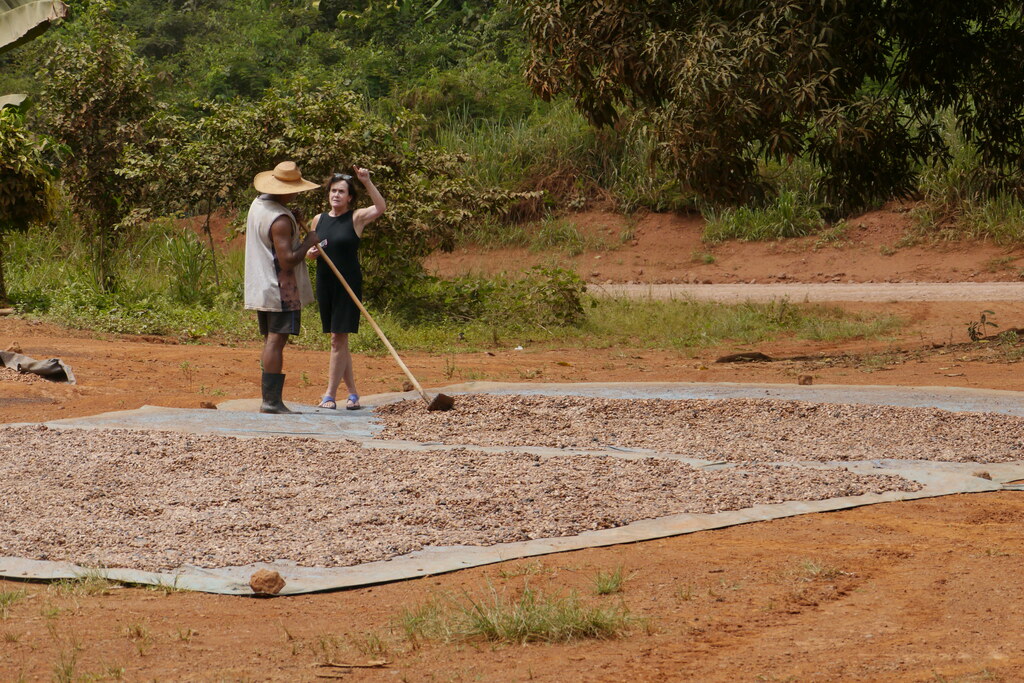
[(8, 598), (790, 215), (532, 616), (554, 150), (559, 234), (608, 582), (687, 324)]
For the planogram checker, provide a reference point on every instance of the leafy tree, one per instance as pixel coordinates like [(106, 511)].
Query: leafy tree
[(24, 172), (25, 177), (94, 98), (191, 165), (854, 85)]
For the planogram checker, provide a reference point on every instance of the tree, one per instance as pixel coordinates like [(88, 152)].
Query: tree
[(25, 177), (854, 85), (94, 98), (193, 164), (24, 172)]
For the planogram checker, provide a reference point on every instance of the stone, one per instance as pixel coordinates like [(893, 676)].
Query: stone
[(266, 582), (805, 380)]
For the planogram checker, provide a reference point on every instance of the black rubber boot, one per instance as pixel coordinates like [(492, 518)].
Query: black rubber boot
[(273, 383)]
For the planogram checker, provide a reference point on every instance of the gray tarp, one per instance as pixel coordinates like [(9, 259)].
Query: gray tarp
[(53, 369)]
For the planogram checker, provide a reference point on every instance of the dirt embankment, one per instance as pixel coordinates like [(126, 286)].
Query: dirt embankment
[(878, 246)]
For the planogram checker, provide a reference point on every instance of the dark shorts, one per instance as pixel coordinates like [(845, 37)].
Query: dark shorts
[(279, 322)]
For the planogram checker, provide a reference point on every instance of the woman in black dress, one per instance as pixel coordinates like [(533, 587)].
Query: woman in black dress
[(342, 227)]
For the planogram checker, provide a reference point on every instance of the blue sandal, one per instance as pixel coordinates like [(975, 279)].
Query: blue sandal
[(328, 402), (353, 402)]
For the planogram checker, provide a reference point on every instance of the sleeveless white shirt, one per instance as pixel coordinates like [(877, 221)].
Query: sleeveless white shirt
[(266, 288)]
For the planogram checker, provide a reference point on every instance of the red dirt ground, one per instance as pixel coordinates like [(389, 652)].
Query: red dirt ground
[(915, 591)]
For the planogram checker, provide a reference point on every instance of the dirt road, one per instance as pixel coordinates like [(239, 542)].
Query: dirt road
[(980, 292)]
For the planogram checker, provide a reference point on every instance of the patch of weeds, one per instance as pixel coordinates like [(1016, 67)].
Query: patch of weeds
[(1008, 347), (369, 644), (812, 570), (996, 552), (810, 582), (90, 582), (686, 592), (791, 214), (139, 634), (450, 368), (525, 569), (628, 233), (533, 616), (475, 376), (560, 234), (50, 611), (110, 673), (186, 634), (874, 362), (8, 598), (886, 250), (64, 671), (188, 372), (994, 265), (976, 329), (705, 257), (834, 235), (10, 637), (304, 379), (606, 583)]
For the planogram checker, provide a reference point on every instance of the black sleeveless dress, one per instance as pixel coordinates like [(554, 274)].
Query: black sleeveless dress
[(338, 313)]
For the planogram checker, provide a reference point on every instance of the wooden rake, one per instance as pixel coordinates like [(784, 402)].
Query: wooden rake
[(439, 402)]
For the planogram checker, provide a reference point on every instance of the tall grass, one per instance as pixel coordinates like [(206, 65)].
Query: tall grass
[(965, 198), (532, 616), (556, 151), (556, 146), (790, 214)]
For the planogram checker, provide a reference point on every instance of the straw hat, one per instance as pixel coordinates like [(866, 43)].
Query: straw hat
[(284, 179)]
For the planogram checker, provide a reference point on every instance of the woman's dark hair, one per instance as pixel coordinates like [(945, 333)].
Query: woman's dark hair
[(336, 177)]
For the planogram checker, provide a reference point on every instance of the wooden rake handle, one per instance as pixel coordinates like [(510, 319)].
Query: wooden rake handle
[(398, 359)]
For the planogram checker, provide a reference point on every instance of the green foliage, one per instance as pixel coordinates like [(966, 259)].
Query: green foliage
[(978, 329), (559, 234), (25, 173), (93, 99), (532, 616), (854, 87), (190, 164), (684, 324), (25, 177), (543, 297), (190, 265), (788, 215)]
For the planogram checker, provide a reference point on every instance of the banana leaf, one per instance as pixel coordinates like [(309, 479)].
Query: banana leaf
[(23, 20)]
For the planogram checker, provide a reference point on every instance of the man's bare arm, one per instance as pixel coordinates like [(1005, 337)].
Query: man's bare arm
[(281, 236)]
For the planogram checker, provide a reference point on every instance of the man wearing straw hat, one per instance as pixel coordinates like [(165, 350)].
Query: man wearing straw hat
[(275, 286)]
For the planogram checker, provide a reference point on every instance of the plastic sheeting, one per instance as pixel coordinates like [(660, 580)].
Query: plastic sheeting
[(238, 418)]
